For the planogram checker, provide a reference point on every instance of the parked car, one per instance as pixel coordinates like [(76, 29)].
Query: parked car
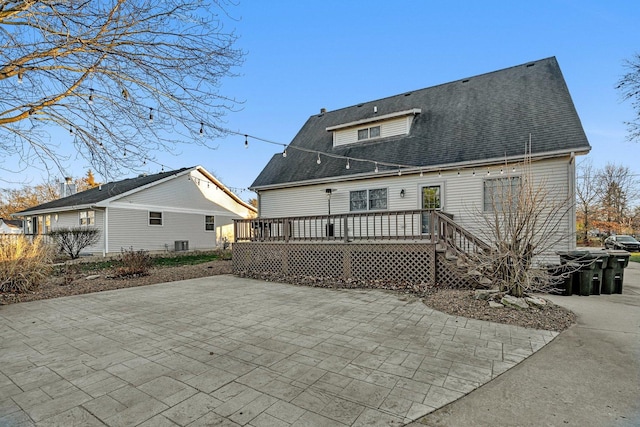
[(626, 243)]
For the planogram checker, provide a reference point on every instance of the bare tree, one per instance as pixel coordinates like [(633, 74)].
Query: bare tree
[(522, 220), (16, 200), (617, 187), (587, 196), (629, 85), (122, 78)]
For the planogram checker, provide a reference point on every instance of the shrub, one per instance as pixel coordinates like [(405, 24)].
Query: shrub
[(23, 264), (71, 241), (133, 263)]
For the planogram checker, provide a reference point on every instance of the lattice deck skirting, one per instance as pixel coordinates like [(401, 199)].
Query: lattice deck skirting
[(406, 262)]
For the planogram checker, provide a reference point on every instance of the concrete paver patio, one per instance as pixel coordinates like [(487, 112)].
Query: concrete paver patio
[(229, 351)]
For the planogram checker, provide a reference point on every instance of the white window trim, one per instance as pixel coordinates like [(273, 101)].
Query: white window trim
[(369, 209), (369, 137), (90, 220), (484, 181), (206, 223), (161, 219), (374, 119)]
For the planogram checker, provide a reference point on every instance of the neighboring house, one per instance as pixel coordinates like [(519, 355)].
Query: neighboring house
[(445, 147), (185, 209), (10, 226)]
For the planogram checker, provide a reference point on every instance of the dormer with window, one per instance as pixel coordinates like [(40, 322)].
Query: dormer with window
[(372, 128)]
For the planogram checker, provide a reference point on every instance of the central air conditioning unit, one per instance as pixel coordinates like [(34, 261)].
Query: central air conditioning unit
[(181, 245)]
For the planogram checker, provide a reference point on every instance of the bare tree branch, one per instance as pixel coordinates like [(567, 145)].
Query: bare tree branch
[(125, 78), (629, 86)]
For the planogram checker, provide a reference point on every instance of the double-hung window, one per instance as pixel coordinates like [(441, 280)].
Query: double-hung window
[(501, 194), (87, 218), (209, 223), (362, 200)]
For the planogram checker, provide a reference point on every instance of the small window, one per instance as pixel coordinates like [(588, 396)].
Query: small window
[(501, 194), (209, 223), (368, 133), (362, 200), (155, 218), (87, 218)]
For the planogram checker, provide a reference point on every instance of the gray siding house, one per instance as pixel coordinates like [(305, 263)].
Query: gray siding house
[(184, 209)]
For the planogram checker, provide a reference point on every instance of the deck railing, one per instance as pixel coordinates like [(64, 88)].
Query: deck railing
[(419, 224)]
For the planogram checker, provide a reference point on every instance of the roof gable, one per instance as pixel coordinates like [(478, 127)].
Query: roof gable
[(104, 192), (463, 122)]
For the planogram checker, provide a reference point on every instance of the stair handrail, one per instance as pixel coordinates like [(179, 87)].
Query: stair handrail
[(469, 236)]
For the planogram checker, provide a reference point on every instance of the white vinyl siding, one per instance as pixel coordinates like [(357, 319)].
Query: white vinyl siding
[(461, 195), (127, 228), (395, 127)]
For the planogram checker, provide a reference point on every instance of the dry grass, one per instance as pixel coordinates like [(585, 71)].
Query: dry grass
[(23, 264)]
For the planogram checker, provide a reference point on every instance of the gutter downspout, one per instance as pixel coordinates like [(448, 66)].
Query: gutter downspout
[(572, 194), (106, 232)]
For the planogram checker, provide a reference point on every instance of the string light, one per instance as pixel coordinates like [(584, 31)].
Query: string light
[(71, 130), (246, 141), (389, 166), (91, 96), (19, 78), (125, 94), (125, 152), (150, 115), (201, 129)]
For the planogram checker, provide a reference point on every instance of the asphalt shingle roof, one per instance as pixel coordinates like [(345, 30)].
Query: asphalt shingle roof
[(104, 191), (489, 116)]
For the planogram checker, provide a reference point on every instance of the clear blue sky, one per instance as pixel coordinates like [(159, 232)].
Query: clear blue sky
[(303, 56)]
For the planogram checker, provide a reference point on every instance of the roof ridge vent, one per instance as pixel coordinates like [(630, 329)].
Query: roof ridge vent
[(465, 81), (530, 64)]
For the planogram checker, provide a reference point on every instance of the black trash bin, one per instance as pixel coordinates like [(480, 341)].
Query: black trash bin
[(562, 277), (588, 277), (600, 260), (613, 275)]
